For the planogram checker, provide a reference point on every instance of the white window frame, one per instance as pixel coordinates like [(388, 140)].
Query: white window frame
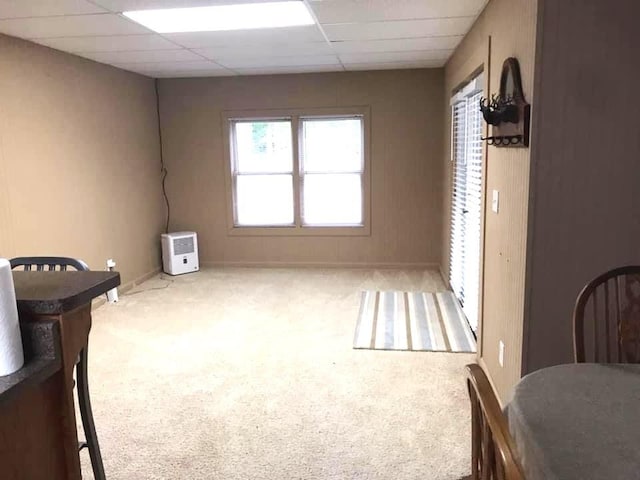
[(296, 117), (234, 165)]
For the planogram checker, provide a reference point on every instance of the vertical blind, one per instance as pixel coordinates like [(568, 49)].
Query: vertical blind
[(458, 201), (466, 205)]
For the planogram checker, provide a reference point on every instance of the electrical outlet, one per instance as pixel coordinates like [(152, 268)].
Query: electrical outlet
[(501, 353)]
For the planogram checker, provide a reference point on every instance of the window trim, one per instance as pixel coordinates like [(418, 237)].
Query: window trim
[(295, 115)]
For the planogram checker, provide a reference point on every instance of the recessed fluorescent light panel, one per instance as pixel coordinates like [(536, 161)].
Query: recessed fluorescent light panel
[(224, 17)]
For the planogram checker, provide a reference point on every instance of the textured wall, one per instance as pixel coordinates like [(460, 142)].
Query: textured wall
[(586, 211), (511, 26), (406, 147), (79, 160)]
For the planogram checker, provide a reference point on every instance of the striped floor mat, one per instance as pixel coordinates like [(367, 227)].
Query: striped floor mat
[(412, 321)]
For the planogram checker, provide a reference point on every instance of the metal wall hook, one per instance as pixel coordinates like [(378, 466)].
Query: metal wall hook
[(503, 140)]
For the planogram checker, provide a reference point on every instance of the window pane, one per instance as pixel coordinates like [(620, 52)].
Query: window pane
[(332, 145), (263, 147), (332, 199), (264, 200)]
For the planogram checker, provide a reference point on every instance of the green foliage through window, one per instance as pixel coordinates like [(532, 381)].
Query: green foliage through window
[(259, 132)]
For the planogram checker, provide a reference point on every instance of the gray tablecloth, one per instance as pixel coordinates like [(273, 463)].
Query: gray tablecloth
[(578, 422)]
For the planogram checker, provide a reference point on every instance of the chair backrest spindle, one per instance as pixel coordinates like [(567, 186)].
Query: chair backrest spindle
[(618, 317), (607, 304), (51, 263), (595, 325)]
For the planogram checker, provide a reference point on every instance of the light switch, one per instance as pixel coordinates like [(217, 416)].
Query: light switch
[(495, 201), (501, 353)]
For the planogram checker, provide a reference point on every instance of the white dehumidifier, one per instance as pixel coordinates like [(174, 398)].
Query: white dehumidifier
[(180, 253)]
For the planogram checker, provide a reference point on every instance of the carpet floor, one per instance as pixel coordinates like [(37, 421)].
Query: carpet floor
[(250, 374)]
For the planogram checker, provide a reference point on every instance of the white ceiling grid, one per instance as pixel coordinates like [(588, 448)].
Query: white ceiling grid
[(348, 35)]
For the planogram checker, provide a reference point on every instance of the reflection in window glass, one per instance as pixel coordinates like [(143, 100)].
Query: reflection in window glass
[(263, 146)]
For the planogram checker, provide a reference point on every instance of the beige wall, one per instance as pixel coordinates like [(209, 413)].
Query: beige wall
[(79, 160), (511, 27), (406, 148), (586, 180)]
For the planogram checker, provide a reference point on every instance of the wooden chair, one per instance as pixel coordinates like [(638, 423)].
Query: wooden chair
[(84, 401), (492, 447), (606, 318)]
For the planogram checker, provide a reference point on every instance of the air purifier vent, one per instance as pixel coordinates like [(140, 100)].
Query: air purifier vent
[(183, 245)]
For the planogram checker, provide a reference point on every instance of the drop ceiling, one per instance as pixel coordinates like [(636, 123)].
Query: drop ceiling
[(348, 35)]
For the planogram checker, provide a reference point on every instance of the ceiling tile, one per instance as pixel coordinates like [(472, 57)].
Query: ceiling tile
[(259, 62), (128, 5), (399, 29), (144, 56), (247, 37), (285, 49), (191, 74), (113, 43), (364, 35), (44, 8), (177, 69), (394, 65), (70, 26), (169, 66), (347, 11), (282, 70), (426, 55), (399, 45)]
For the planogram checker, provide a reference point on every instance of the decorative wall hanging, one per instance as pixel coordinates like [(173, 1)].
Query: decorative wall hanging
[(507, 112)]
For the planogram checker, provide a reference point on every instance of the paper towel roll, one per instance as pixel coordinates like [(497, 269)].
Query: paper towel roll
[(11, 354)]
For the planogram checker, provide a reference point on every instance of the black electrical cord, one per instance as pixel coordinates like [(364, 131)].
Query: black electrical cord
[(163, 287), (163, 169)]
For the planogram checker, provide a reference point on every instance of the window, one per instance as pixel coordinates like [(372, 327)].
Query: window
[(331, 171), (263, 173), (466, 200), (301, 173)]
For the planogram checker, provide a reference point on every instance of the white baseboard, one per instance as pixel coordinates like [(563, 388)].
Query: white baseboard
[(141, 279), (369, 265)]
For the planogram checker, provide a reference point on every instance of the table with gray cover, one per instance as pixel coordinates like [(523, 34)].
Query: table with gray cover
[(579, 421)]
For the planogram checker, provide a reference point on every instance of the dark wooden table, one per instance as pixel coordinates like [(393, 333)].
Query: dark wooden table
[(38, 433), (55, 293)]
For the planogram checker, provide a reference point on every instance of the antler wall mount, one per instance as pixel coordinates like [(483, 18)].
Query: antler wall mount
[(507, 112)]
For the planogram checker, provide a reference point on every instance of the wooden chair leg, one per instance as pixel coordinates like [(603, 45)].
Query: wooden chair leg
[(84, 402)]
